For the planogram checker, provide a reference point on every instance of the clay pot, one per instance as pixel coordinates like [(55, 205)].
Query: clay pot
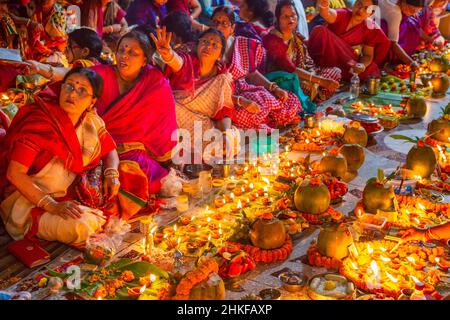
[(421, 160), (440, 83), (334, 240), (354, 135), (268, 234), (354, 155), (376, 196), (416, 107), (334, 164), (439, 64), (211, 289), (312, 199)]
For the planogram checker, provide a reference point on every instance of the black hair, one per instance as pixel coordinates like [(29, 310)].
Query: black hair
[(280, 5), (87, 38), (146, 30), (144, 42), (94, 79), (227, 10), (260, 9), (179, 23), (217, 33)]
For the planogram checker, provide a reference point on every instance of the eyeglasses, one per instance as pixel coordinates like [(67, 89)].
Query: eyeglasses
[(81, 92), (214, 45), (217, 23)]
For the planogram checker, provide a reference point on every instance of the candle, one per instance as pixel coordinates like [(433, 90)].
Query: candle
[(182, 203)]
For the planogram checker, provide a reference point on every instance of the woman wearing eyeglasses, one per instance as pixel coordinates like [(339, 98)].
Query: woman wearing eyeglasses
[(258, 102), (201, 84), (48, 148)]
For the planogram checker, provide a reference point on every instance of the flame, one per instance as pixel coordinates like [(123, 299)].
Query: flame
[(207, 209), (374, 267), (175, 228), (318, 132), (369, 249), (165, 236), (271, 199), (239, 204), (411, 259), (220, 231), (286, 149), (266, 189), (393, 279), (430, 84), (152, 277), (417, 281), (266, 180), (251, 186), (99, 298), (209, 237), (417, 220), (232, 196), (246, 168), (307, 141), (192, 218), (248, 200), (354, 265), (407, 211), (385, 259), (359, 213), (208, 219), (141, 291), (178, 241), (153, 229), (421, 206)]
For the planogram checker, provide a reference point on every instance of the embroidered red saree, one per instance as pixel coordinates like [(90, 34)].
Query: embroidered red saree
[(141, 121), (331, 46)]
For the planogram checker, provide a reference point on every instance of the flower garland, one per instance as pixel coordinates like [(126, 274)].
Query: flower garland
[(319, 218), (316, 259), (268, 256), (429, 206), (194, 277)]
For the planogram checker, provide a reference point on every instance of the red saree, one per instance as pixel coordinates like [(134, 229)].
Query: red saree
[(141, 121), (41, 131), (332, 46)]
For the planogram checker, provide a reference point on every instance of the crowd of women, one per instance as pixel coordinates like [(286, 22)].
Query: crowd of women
[(98, 139)]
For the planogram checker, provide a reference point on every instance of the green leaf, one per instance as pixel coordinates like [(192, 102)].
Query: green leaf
[(54, 273), (143, 268), (402, 137), (380, 176)]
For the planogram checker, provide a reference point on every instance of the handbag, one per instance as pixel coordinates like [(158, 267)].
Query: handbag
[(89, 187)]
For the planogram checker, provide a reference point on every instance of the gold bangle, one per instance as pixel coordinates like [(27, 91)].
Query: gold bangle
[(110, 169), (239, 101)]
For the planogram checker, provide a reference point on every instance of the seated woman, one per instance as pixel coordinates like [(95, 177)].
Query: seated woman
[(258, 101), (402, 26), (202, 87), (149, 12), (286, 52), (10, 36), (191, 7), (184, 36), (348, 32), (83, 50), (48, 36), (139, 112), (256, 17), (104, 16), (48, 146), (431, 16)]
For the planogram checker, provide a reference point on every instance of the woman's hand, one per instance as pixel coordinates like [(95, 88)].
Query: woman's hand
[(280, 94), (250, 106), (162, 42), (323, 3), (111, 187), (329, 84), (414, 235), (32, 67), (357, 66), (66, 209)]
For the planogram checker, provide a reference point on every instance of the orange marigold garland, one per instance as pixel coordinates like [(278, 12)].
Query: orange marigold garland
[(316, 259), (268, 256), (319, 218), (194, 277)]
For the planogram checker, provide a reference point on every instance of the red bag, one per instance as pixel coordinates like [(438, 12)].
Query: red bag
[(88, 188)]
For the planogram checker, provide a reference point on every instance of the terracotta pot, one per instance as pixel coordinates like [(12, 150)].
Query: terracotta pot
[(421, 160), (440, 85), (355, 156), (439, 64), (211, 289), (440, 128)]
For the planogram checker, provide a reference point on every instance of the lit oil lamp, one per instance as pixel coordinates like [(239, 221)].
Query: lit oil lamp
[(238, 207), (219, 201)]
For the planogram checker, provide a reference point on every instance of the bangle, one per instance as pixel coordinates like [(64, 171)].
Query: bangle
[(272, 87), (44, 201), (239, 101), (50, 69), (114, 171)]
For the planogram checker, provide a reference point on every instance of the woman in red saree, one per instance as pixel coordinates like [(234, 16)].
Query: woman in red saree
[(287, 52), (104, 16), (259, 102), (49, 146), (256, 17), (203, 90), (350, 40), (139, 111)]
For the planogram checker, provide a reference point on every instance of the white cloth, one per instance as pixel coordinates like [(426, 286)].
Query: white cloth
[(392, 14), (302, 27)]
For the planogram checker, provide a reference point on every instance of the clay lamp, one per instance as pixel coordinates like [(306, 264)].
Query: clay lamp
[(219, 201)]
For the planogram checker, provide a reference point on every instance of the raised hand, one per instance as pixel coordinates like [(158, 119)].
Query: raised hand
[(162, 42), (323, 3)]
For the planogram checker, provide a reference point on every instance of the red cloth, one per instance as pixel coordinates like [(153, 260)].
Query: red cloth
[(332, 46), (8, 76), (277, 53), (144, 114), (188, 78), (41, 131), (178, 5)]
